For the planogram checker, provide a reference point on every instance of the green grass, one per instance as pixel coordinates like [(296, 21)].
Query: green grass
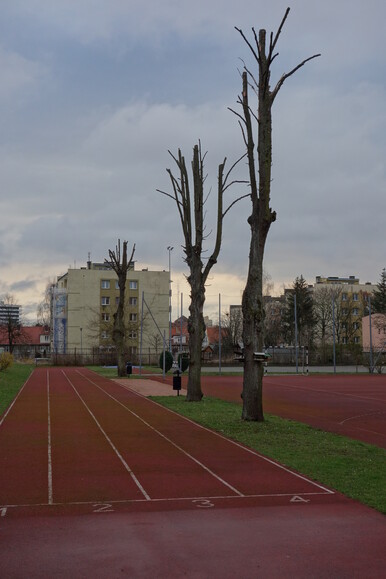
[(356, 469), (11, 380)]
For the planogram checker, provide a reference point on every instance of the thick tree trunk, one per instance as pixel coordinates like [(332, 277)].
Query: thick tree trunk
[(119, 327), (196, 327), (253, 340), (260, 221)]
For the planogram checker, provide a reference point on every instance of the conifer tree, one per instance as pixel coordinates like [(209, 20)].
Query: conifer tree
[(378, 301), (305, 316)]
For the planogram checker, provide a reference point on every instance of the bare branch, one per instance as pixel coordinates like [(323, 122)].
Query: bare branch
[(248, 43), (237, 114), (168, 195), (288, 74), (236, 200), (273, 44)]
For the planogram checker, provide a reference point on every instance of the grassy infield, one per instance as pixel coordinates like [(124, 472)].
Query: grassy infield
[(353, 468)]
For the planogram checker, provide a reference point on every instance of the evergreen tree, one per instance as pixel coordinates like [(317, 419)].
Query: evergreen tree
[(305, 317), (378, 301)]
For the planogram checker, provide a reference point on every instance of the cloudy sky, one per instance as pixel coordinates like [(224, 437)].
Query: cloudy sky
[(93, 94)]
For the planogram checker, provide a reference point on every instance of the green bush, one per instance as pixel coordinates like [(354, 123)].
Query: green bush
[(168, 361), (183, 362), (6, 360)]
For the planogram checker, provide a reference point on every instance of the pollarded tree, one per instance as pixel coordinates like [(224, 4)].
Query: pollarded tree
[(262, 215), (190, 206), (120, 265)]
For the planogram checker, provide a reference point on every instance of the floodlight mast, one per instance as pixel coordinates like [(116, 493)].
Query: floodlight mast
[(170, 249)]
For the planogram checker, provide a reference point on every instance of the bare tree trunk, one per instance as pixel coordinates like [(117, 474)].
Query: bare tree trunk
[(196, 328), (191, 212), (262, 216), (119, 328), (119, 332)]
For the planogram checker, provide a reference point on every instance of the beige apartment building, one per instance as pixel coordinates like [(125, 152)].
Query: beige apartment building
[(84, 301), (351, 301)]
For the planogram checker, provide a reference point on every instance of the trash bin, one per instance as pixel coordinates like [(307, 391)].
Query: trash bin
[(176, 380), (129, 368)]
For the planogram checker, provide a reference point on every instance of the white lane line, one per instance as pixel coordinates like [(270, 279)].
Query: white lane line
[(362, 415), (249, 450), (110, 442), (20, 391), (208, 470), (164, 500), (50, 492)]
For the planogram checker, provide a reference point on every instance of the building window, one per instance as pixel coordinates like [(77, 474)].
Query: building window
[(105, 284), (132, 301), (345, 311), (105, 301), (117, 301), (344, 340), (116, 284), (133, 285), (133, 317), (132, 334), (355, 312), (356, 340), (104, 335), (355, 297), (356, 325), (105, 317), (344, 297)]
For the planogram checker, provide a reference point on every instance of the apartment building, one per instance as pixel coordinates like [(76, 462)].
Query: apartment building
[(84, 301), (9, 313), (350, 301)]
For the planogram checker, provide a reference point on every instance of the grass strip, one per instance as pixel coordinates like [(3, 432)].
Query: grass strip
[(11, 380), (354, 468)]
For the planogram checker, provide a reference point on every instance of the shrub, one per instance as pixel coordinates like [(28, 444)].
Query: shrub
[(6, 360), (168, 361), (183, 361)]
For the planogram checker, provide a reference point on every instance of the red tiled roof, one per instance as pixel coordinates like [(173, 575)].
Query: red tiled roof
[(29, 335)]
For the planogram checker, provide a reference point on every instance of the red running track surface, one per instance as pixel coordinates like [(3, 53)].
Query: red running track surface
[(97, 481), (351, 405)]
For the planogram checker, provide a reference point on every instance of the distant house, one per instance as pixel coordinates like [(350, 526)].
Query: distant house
[(180, 335), (29, 341), (212, 341)]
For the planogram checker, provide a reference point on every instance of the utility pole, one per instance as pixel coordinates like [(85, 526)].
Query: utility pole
[(170, 248)]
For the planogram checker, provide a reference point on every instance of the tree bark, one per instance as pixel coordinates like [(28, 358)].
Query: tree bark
[(119, 328), (191, 212), (262, 216)]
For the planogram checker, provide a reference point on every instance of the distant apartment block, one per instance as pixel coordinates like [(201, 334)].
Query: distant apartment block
[(9, 312), (84, 301), (351, 302)]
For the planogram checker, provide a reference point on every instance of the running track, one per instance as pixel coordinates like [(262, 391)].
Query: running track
[(351, 405), (82, 457)]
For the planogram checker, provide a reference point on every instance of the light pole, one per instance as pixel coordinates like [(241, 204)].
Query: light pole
[(170, 248), (81, 341)]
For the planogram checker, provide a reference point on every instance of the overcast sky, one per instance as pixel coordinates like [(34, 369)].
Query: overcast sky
[(93, 93)]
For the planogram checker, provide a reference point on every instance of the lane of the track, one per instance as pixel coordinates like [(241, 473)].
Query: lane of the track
[(84, 464), (163, 469), (244, 470), (24, 446)]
